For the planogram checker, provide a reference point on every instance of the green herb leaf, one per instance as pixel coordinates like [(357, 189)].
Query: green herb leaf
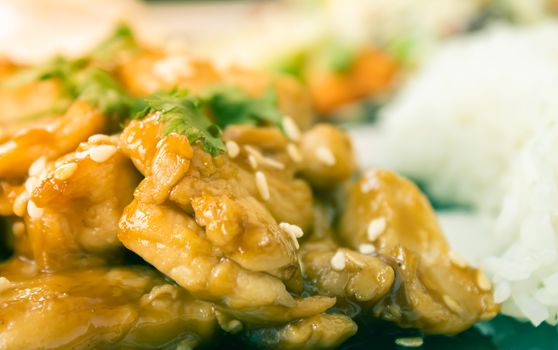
[(231, 105), (57, 68), (103, 92), (183, 114), (122, 40)]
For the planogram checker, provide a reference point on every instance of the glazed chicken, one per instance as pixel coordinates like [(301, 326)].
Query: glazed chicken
[(117, 308), (75, 203), (439, 292), (49, 138), (206, 223), (171, 202)]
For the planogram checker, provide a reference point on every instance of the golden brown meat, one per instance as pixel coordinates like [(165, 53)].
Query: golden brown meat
[(49, 138), (324, 331), (345, 273), (75, 204), (151, 71), (27, 102), (328, 156), (438, 294), (123, 308), (293, 100), (226, 245)]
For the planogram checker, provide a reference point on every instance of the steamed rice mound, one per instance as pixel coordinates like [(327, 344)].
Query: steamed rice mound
[(478, 125)]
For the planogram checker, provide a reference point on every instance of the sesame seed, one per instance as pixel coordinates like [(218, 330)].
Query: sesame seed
[(18, 229), (273, 163), (253, 162), (261, 184), (457, 259), (38, 166), (4, 284), (20, 204), (255, 156), (65, 171), (370, 183), (338, 261), (253, 151), (452, 304), (101, 153), (293, 231), (31, 183), (366, 248), (483, 281), (8, 146), (375, 228), (233, 150), (234, 326), (294, 153), (291, 129), (413, 342), (325, 156), (43, 175), (97, 138), (33, 210)]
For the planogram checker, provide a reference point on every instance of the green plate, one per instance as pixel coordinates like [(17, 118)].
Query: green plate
[(502, 333)]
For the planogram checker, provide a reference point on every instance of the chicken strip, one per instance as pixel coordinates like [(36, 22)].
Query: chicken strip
[(205, 222), (438, 293), (108, 308), (322, 331), (29, 101), (345, 273), (49, 138), (328, 156), (151, 71), (75, 204)]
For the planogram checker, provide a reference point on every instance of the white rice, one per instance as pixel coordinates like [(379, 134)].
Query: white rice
[(469, 110), (478, 125)]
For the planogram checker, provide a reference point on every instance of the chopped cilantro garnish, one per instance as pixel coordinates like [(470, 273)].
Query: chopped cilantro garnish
[(231, 105), (200, 118), (188, 115), (184, 114), (103, 92), (57, 68), (122, 40)]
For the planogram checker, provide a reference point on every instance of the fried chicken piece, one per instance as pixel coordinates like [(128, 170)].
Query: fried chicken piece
[(122, 307), (345, 273), (49, 138), (292, 98), (28, 101), (438, 294), (203, 221), (324, 331), (328, 155), (151, 71), (75, 204)]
